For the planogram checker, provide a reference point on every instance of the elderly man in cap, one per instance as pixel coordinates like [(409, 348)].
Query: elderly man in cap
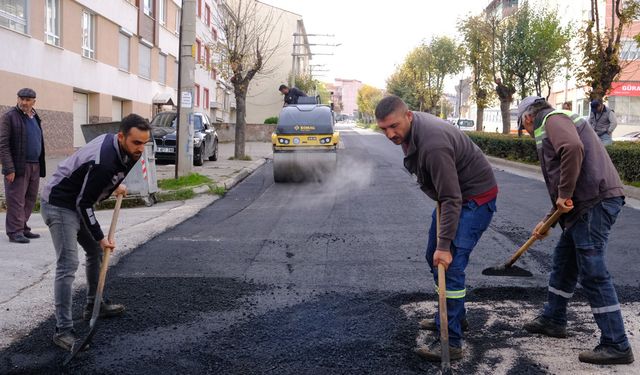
[(576, 166), (22, 158), (602, 120)]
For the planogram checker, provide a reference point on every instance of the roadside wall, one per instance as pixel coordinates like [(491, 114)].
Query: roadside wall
[(253, 132)]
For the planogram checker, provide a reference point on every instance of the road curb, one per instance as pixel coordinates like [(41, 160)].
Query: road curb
[(629, 191)]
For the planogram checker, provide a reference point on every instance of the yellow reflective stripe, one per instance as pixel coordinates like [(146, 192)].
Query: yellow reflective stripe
[(454, 294)]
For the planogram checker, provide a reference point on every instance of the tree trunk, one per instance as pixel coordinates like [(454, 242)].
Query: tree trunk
[(241, 112), (479, 119), (506, 116)]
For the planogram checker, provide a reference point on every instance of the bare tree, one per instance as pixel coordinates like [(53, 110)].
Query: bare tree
[(247, 43), (601, 62)]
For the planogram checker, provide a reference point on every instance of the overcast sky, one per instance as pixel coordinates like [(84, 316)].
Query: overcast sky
[(375, 36)]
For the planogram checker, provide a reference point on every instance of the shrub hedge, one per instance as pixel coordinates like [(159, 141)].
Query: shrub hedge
[(271, 120), (625, 155)]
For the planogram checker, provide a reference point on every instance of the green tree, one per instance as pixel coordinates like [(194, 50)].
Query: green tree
[(420, 79), (601, 63), (367, 100), (477, 43)]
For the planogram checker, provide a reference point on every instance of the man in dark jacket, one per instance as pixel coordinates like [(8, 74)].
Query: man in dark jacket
[(576, 166), (291, 95), (85, 178), (603, 121), (23, 163), (454, 172)]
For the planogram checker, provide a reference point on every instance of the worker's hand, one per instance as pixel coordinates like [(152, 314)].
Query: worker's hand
[(442, 257), (106, 244), (537, 233), (121, 190), (10, 177), (564, 205)]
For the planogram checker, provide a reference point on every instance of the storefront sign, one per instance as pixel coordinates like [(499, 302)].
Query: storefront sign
[(625, 89)]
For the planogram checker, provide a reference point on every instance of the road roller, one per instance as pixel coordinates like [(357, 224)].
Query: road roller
[(304, 143)]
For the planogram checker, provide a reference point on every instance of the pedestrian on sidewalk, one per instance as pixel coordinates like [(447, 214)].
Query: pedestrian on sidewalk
[(453, 171), (23, 163), (576, 166), (603, 120), (87, 177)]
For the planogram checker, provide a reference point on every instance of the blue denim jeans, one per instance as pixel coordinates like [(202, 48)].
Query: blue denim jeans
[(474, 220), (67, 230), (580, 254)]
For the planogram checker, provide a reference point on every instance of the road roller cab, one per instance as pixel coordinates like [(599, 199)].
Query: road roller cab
[(304, 143)]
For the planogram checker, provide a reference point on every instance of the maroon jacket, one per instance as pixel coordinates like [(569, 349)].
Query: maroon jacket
[(13, 143)]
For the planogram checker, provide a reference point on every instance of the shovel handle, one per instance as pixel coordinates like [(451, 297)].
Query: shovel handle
[(543, 229), (105, 261), (445, 360)]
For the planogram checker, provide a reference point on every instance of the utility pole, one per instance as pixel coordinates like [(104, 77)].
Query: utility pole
[(297, 53), (186, 67)]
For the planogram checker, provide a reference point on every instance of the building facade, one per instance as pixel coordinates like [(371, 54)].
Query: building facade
[(98, 61)]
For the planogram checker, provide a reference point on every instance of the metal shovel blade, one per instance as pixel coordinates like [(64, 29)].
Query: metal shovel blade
[(502, 270)]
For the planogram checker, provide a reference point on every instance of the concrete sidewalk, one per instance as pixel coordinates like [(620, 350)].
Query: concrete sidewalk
[(27, 270)]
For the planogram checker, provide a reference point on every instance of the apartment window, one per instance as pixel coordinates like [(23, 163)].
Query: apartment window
[(199, 8), (162, 11), (88, 35), (162, 69), (214, 33), (207, 15), (52, 26), (207, 57), (629, 50), (13, 15), (124, 49), (144, 60), (178, 18), (147, 7), (197, 90), (205, 98)]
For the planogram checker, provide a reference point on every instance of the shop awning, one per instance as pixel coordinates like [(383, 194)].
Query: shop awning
[(163, 98)]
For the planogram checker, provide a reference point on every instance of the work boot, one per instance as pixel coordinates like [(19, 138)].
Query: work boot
[(65, 339), (546, 327), (433, 353), (18, 238), (607, 355), (107, 310), (430, 324), (31, 235)]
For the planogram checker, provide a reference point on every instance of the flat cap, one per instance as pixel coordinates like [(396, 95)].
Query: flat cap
[(26, 93)]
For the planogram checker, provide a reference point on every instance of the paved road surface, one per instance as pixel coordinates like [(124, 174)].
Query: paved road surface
[(330, 279)]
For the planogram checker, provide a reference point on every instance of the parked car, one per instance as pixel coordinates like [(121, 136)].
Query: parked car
[(205, 137), (465, 124), (633, 137)]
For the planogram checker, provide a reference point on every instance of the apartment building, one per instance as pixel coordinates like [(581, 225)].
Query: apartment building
[(346, 94), (97, 61)]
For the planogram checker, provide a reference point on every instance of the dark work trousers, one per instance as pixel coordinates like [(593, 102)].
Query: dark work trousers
[(580, 257), (474, 220), (20, 196)]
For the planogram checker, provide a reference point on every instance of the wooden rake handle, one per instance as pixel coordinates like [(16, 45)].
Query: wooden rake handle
[(544, 229)]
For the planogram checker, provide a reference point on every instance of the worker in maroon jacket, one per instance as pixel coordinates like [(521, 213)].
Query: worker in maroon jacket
[(576, 166), (454, 172)]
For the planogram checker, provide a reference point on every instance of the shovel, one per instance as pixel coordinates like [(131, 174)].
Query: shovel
[(445, 360), (79, 345), (508, 269)]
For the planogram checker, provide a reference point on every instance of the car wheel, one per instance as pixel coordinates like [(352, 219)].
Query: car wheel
[(198, 158), (214, 156)]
